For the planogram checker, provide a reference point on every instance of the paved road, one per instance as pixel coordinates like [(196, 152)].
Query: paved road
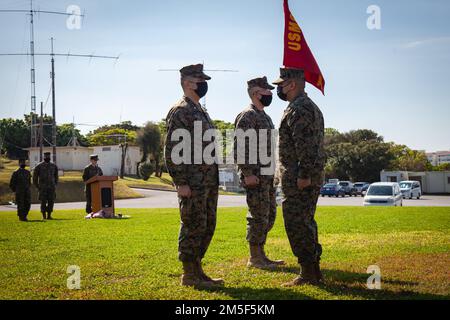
[(166, 199)]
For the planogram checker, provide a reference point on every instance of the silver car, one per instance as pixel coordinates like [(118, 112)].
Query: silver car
[(384, 194), (410, 189)]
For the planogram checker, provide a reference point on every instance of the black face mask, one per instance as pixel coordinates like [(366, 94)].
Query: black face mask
[(266, 100), (22, 166), (202, 89), (47, 160), (281, 94)]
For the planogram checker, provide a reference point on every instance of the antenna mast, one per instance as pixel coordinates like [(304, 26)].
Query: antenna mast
[(34, 126)]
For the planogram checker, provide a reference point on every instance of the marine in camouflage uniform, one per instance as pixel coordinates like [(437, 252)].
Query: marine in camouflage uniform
[(302, 159), (20, 184), (45, 178), (261, 191), (89, 172), (197, 183)]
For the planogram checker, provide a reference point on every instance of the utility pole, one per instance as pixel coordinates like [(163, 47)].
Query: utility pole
[(32, 54), (52, 75), (33, 114), (33, 80), (53, 105), (41, 133)]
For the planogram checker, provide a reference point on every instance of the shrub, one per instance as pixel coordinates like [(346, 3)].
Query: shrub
[(146, 169)]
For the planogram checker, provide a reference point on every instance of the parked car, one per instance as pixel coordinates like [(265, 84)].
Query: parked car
[(348, 187), (279, 196), (410, 189), (384, 194), (364, 189), (361, 187), (332, 190)]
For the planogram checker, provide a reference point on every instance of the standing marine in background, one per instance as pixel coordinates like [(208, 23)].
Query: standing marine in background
[(302, 160), (45, 178), (90, 171), (197, 182), (259, 186), (20, 184)]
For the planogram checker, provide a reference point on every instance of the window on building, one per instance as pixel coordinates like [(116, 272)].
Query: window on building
[(106, 149), (448, 180)]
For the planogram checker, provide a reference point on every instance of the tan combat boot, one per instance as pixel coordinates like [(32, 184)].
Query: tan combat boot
[(319, 274), (189, 277), (307, 276), (257, 259), (205, 278), (275, 262)]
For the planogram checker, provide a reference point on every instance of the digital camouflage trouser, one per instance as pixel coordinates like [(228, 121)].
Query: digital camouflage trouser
[(23, 201), (262, 210), (198, 222), (47, 197), (299, 208)]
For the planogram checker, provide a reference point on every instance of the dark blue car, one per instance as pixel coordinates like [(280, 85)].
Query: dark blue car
[(332, 190)]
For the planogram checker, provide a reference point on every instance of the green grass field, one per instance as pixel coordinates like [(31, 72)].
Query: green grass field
[(136, 258)]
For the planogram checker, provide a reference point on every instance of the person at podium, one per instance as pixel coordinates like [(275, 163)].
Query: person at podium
[(90, 171)]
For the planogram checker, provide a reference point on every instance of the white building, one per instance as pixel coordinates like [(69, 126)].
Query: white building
[(229, 178), (431, 181), (75, 158), (439, 157), (110, 159), (67, 158)]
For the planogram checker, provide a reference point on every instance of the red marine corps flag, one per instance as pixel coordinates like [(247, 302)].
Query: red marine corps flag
[(297, 53)]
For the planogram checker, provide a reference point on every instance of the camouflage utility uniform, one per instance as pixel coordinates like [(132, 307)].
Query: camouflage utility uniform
[(89, 172), (45, 178), (20, 184), (302, 156), (198, 213), (261, 199)]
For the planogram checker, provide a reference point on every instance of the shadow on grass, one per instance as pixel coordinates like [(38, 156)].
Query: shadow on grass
[(247, 293), (340, 284), (346, 283), (354, 277)]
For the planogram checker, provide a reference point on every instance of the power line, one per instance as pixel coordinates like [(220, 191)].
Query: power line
[(31, 12), (34, 126)]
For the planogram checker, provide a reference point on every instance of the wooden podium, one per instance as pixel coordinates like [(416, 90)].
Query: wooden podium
[(102, 194)]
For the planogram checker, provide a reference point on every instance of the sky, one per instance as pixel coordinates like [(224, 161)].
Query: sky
[(394, 81)]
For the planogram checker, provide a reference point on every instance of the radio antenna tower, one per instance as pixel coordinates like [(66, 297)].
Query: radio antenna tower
[(33, 116)]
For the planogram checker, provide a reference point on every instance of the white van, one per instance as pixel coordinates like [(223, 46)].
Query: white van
[(384, 194), (410, 189)]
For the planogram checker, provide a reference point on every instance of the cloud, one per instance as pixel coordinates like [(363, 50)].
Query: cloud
[(429, 41)]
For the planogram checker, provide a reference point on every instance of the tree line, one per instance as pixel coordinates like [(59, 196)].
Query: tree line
[(354, 155)]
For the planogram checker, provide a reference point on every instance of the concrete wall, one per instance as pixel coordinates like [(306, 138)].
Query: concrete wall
[(431, 181), (67, 158), (438, 182), (393, 176), (110, 159), (229, 179), (76, 158)]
